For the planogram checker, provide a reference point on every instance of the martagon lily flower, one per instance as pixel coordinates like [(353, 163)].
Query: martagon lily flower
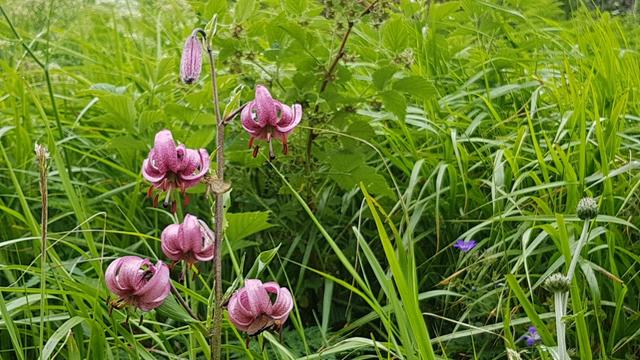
[(190, 241), (138, 282), (252, 311), (171, 167), (265, 119)]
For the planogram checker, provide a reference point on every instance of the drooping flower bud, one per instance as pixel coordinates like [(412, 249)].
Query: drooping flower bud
[(138, 282), (557, 283), (191, 63), (251, 309), (587, 208)]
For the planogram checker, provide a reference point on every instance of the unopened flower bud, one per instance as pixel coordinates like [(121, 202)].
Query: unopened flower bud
[(191, 63), (587, 208), (557, 283)]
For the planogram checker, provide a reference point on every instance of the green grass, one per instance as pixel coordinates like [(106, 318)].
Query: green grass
[(478, 119)]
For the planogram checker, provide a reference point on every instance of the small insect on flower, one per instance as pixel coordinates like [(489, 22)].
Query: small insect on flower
[(251, 309), (170, 167), (191, 62), (531, 337), (191, 241), (138, 282), (265, 119), (465, 245)]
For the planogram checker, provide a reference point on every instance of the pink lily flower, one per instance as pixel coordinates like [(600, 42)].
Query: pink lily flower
[(252, 311), (265, 118), (171, 167), (190, 241), (191, 62), (138, 282)]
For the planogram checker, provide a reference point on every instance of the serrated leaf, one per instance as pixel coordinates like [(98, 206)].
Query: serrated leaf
[(395, 34), (109, 88), (241, 225), (417, 86), (369, 176), (244, 10), (395, 103), (381, 76), (121, 109)]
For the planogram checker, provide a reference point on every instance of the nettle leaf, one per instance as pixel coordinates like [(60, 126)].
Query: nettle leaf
[(381, 76), (109, 88), (244, 10), (395, 34), (295, 7), (417, 86), (149, 118), (395, 103), (121, 109), (241, 225), (369, 176)]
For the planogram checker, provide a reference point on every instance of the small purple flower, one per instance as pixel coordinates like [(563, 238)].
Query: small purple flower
[(191, 62), (465, 245), (531, 336), (190, 241), (170, 167), (265, 118), (251, 309), (138, 282)]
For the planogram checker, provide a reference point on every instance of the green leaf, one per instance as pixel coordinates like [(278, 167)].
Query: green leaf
[(417, 86), (62, 332), (395, 103), (262, 261), (241, 225), (530, 310), (381, 76), (173, 310), (244, 9), (122, 110), (395, 34)]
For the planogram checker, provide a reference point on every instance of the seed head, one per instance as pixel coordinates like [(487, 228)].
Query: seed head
[(587, 208), (557, 283)]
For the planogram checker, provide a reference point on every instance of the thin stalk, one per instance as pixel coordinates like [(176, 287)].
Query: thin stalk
[(561, 299), (41, 156), (182, 302), (216, 335), (559, 302)]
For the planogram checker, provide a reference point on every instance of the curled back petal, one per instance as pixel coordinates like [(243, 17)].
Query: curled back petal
[(190, 234), (203, 167), (170, 242), (282, 305), (296, 117), (238, 314), (265, 107), (248, 122), (151, 174), (164, 151)]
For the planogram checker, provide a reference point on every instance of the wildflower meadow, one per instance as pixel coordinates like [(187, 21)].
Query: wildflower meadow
[(320, 179)]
